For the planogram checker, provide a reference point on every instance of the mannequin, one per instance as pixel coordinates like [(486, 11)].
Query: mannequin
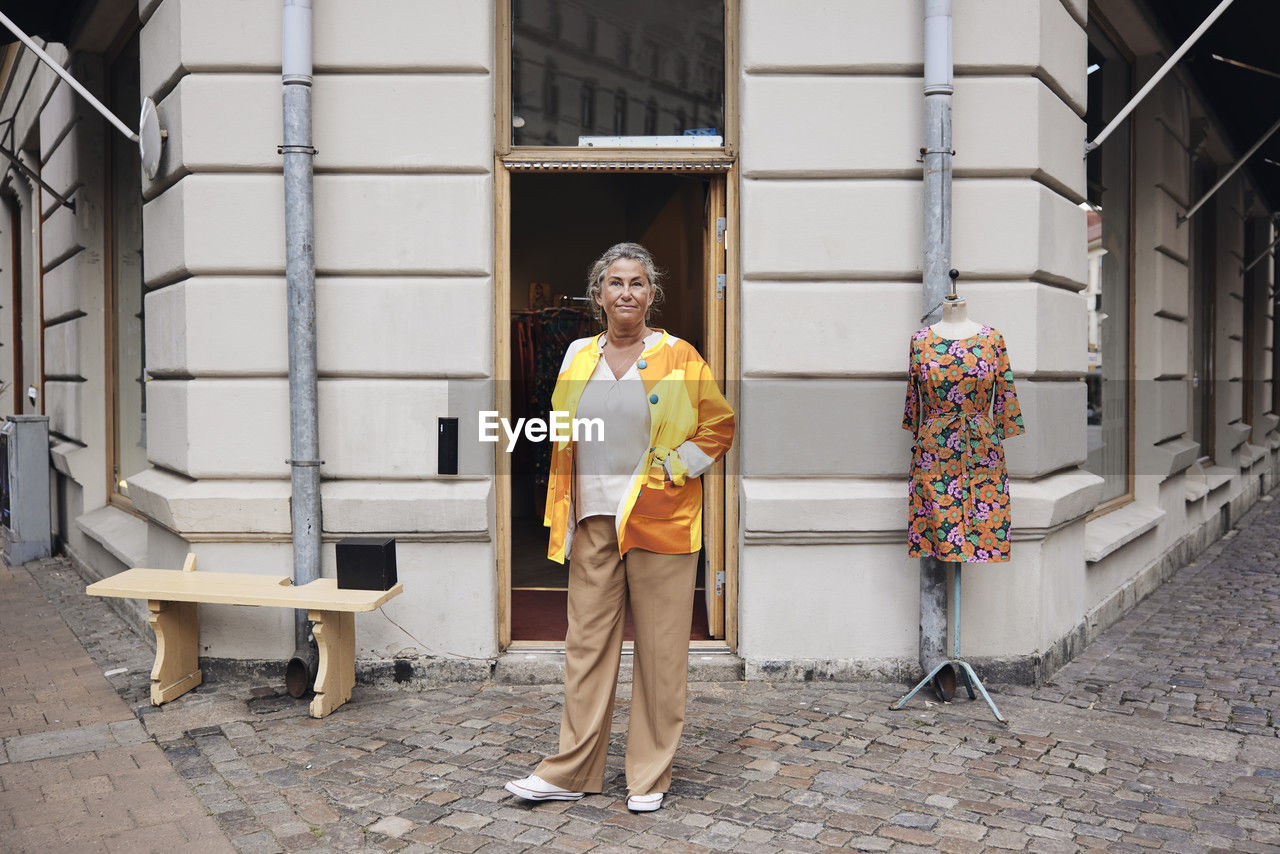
[(960, 406), (955, 323)]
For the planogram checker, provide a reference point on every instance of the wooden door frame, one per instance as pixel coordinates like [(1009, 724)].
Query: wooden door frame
[(14, 215), (111, 284), (570, 159), (640, 162)]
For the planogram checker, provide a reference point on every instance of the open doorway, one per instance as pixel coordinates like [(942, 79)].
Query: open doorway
[(559, 224)]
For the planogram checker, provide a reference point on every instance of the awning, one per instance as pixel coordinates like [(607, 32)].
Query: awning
[(1243, 103)]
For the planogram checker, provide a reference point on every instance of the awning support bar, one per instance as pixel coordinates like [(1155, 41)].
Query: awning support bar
[(1157, 77), (1227, 176), (65, 75), (1264, 254), (27, 170)]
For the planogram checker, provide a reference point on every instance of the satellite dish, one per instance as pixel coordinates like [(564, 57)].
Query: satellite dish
[(150, 139)]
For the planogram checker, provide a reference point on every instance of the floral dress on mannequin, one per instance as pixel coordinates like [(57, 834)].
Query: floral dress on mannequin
[(961, 404)]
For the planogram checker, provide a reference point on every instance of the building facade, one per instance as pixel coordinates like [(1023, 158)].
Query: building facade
[(458, 202)]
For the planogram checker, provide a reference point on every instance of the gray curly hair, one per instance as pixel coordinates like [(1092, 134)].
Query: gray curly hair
[(617, 252)]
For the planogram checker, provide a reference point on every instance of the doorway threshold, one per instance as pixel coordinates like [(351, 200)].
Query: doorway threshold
[(542, 663)]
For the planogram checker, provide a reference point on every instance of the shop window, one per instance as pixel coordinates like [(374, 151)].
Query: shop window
[(620, 113), (550, 94), (1204, 295), (127, 400), (693, 53), (624, 50), (554, 20), (1274, 263), (517, 96), (1109, 413), (1249, 338), (587, 110)]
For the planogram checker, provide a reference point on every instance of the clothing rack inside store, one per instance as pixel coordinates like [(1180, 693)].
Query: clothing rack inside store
[(539, 339), (970, 678)]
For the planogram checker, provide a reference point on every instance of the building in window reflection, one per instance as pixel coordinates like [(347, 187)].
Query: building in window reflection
[(673, 83)]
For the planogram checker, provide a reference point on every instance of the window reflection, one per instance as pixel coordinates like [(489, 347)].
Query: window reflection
[(673, 84), (1107, 295), (129, 401)]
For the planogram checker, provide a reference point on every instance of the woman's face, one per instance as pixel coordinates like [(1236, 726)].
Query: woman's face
[(625, 293)]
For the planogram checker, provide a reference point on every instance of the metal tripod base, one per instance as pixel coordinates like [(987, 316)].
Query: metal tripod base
[(971, 681)]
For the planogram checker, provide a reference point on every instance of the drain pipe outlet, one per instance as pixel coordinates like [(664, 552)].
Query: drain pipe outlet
[(300, 276)]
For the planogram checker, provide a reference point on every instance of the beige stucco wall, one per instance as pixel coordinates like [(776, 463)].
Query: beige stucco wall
[(829, 250), (832, 243), (404, 200)]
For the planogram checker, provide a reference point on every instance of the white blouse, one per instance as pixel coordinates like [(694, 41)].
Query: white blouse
[(605, 469)]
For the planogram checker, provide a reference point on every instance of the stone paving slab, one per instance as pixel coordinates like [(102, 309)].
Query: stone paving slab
[(47, 682), (78, 772), (64, 742), (1119, 752)]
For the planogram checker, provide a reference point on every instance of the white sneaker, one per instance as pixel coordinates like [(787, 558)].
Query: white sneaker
[(534, 788), (645, 803)]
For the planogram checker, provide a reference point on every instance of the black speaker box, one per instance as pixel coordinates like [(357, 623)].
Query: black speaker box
[(447, 447), (366, 563)]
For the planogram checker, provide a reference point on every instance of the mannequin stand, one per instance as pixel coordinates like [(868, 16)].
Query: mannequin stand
[(970, 678)]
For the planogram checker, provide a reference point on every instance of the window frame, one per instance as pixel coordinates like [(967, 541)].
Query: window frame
[(131, 28), (1273, 309), (1203, 304), (1248, 329), (502, 107), (1105, 29)]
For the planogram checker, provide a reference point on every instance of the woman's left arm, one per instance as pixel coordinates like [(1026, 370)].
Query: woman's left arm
[(716, 422)]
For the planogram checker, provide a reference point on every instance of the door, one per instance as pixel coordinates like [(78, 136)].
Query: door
[(551, 224), (713, 482)]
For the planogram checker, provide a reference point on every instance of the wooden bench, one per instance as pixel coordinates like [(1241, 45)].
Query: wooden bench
[(172, 596)]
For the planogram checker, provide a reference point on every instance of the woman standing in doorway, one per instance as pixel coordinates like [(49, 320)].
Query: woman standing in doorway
[(627, 510)]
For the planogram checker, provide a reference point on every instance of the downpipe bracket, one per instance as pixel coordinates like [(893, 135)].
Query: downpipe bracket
[(925, 152)]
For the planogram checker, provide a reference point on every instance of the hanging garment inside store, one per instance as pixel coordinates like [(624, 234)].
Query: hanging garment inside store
[(540, 339), (961, 405)]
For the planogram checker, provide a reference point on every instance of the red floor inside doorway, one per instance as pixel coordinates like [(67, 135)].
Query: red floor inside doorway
[(541, 615)]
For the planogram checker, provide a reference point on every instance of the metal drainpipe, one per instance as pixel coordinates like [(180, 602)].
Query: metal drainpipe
[(937, 265), (300, 275)]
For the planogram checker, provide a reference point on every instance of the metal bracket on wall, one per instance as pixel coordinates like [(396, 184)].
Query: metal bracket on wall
[(721, 225), (721, 281)]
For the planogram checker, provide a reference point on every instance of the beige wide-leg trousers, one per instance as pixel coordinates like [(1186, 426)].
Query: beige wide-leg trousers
[(660, 588)]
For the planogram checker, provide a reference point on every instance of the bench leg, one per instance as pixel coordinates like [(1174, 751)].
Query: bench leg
[(335, 633), (177, 667)]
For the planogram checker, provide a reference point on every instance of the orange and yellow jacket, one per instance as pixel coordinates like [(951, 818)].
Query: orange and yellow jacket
[(690, 427)]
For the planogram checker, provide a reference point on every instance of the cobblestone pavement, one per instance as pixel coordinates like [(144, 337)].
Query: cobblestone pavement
[(1161, 735)]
